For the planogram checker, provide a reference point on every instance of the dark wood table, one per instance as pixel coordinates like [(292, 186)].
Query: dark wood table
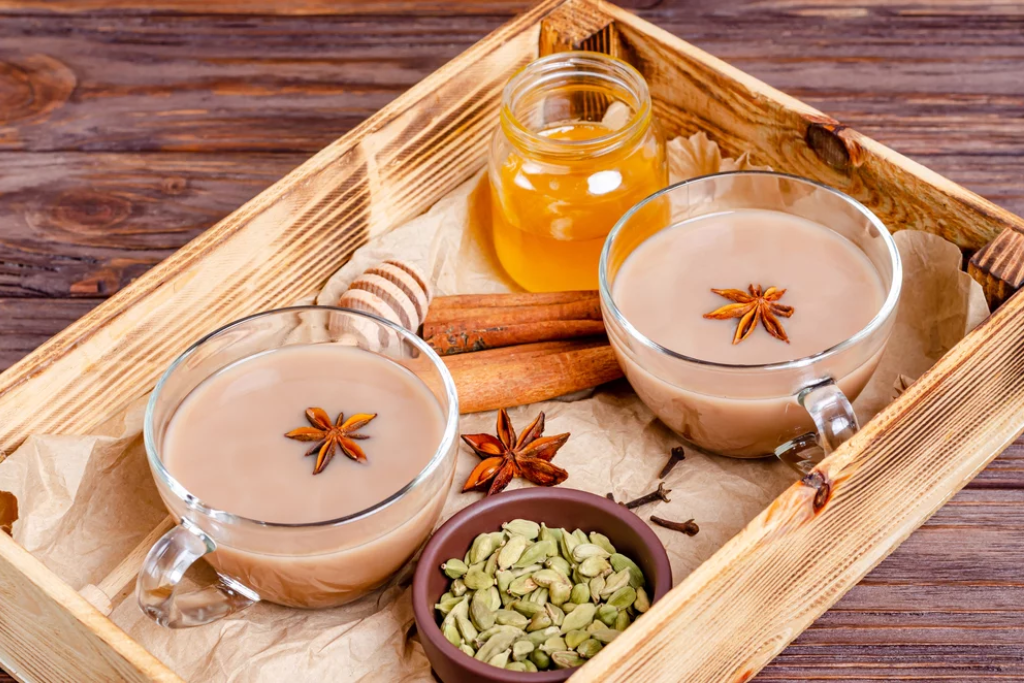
[(127, 127)]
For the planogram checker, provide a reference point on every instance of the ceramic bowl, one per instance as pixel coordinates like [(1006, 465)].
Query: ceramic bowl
[(556, 507)]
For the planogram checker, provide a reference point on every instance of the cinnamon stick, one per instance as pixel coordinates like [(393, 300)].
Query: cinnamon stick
[(517, 375), (449, 341), (448, 307), (444, 320)]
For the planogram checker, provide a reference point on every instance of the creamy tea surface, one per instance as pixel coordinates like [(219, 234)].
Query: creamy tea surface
[(226, 442), (664, 287)]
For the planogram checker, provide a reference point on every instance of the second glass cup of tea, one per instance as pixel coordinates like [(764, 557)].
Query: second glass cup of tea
[(718, 367)]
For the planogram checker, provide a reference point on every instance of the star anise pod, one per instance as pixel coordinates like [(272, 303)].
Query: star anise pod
[(756, 307), (506, 457), (330, 437)]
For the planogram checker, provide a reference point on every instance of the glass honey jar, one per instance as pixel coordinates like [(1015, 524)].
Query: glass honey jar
[(576, 148)]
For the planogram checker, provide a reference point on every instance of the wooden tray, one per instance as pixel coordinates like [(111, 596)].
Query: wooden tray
[(748, 601)]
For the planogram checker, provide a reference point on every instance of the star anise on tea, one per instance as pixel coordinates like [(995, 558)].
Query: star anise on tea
[(331, 437), (752, 308), (506, 457)]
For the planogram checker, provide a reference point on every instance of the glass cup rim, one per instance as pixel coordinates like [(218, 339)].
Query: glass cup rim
[(888, 306), (193, 502)]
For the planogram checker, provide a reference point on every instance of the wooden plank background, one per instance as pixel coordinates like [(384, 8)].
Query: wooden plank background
[(128, 127)]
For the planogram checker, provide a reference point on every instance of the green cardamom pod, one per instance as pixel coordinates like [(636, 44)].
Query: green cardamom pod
[(530, 666), (602, 540), (581, 537), (505, 617), (527, 608), (587, 550), (539, 596), (493, 599), (458, 588), (554, 644), (466, 628), (476, 579), (506, 598), (524, 585), (567, 542), (580, 593), (642, 602), (522, 527), (575, 637), (590, 567), (589, 648), (516, 666), (533, 554), (620, 562), (540, 659), (622, 621), (480, 611), (566, 660), (549, 534), (557, 615), (605, 635), (614, 582), (467, 649), (447, 605), (596, 586), (559, 593), (539, 622), (483, 546), (568, 606), (451, 634), (512, 551), (622, 598), (579, 618), (454, 568), (496, 644), (559, 564), (607, 615), (521, 649), (527, 570), (500, 660), (538, 637), (495, 630), (596, 625), (491, 566), (548, 577), (503, 579)]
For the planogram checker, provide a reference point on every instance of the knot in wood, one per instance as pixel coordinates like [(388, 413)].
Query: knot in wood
[(826, 138), (822, 489), (86, 211), (173, 186), (33, 87)]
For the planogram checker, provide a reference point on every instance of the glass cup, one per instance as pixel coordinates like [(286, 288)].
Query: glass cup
[(313, 565), (800, 409)]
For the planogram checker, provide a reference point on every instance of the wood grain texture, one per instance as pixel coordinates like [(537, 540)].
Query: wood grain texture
[(38, 611), (938, 80)]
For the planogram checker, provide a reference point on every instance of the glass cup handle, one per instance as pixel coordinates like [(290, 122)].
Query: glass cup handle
[(836, 422), (162, 570)]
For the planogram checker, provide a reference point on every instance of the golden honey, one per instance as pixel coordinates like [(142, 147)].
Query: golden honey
[(576, 149)]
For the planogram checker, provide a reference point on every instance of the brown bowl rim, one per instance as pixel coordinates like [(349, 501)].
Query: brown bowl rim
[(423, 608)]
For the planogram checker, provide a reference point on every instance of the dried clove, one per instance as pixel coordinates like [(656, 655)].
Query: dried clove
[(676, 456), (660, 494), (689, 527), (610, 496)]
